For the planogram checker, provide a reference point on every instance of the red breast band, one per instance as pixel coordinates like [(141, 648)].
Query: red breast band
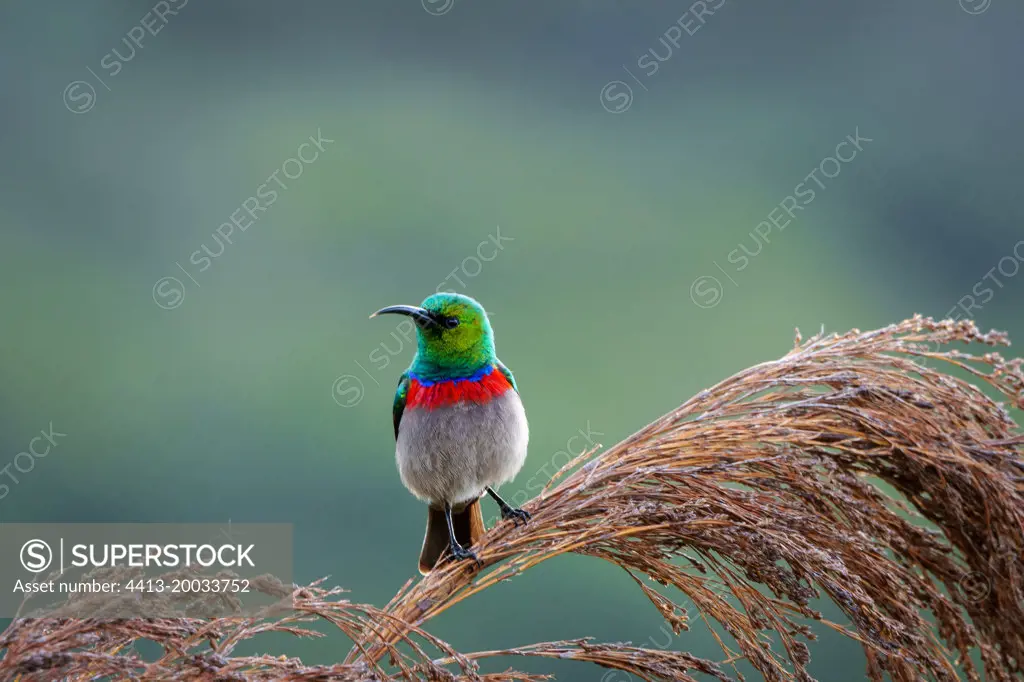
[(433, 394)]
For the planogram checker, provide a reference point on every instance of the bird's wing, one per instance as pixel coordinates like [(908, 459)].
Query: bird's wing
[(399, 406), (508, 375)]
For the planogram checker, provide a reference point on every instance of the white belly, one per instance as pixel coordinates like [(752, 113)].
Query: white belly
[(450, 454)]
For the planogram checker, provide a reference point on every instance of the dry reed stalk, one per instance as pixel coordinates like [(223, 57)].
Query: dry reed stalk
[(751, 499)]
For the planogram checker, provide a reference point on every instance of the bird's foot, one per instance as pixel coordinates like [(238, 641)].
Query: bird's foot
[(516, 515), (459, 553), (507, 511)]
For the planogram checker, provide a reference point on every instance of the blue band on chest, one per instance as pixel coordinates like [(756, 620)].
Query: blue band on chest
[(475, 376)]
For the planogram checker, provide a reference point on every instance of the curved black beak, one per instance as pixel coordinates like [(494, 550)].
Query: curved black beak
[(421, 315)]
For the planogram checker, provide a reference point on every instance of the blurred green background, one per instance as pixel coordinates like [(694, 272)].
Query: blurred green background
[(255, 389)]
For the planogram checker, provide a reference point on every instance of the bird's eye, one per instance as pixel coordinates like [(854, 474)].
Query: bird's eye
[(451, 322)]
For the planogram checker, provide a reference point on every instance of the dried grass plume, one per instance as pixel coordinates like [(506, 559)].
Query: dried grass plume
[(847, 469)]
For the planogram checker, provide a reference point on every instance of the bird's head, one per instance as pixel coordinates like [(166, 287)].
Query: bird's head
[(453, 331)]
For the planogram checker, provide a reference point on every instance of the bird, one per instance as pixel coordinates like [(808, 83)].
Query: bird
[(460, 426)]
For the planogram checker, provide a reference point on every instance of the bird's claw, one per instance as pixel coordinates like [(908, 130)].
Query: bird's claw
[(459, 553), (516, 515)]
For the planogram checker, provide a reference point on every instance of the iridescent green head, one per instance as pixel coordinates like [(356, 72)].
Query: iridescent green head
[(455, 336)]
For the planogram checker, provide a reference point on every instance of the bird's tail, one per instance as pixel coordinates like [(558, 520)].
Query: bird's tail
[(468, 525)]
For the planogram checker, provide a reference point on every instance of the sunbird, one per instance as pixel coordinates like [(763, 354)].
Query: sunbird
[(460, 427)]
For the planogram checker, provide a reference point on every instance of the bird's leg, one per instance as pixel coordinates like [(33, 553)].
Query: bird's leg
[(508, 512), (458, 551)]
